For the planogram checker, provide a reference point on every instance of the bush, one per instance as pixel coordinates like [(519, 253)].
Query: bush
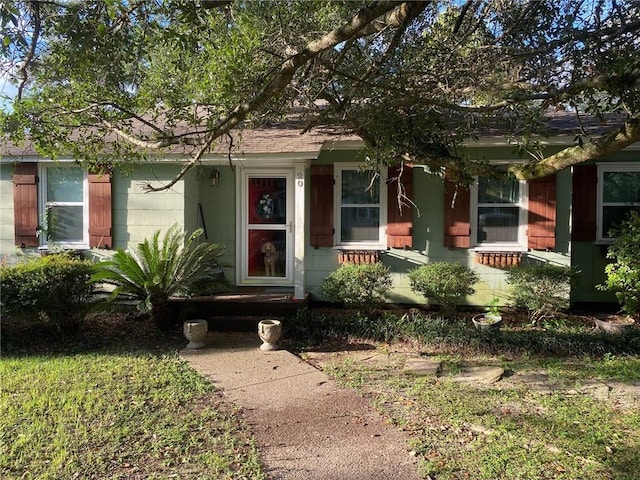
[(314, 326), (443, 283), (541, 290), (623, 274), (56, 287), (358, 285), (160, 268)]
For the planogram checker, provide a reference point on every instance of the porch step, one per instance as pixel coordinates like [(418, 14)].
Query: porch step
[(237, 323), (241, 304)]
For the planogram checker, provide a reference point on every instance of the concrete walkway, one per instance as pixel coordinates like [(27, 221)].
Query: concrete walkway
[(306, 426)]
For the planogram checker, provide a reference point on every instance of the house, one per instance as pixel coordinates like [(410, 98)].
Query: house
[(289, 208)]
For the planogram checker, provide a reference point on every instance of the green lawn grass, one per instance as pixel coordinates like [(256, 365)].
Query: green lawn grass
[(572, 428), (509, 432), (114, 412)]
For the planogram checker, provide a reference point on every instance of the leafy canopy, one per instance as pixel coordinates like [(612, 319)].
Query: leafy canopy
[(112, 80), (623, 272)]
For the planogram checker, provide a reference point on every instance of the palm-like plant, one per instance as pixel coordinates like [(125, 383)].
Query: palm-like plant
[(160, 268)]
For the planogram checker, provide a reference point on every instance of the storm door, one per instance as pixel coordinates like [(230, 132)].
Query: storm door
[(266, 239)]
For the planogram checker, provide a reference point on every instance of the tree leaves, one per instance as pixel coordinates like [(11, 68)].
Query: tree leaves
[(415, 80)]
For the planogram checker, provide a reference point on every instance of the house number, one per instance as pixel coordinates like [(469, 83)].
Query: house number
[(300, 181)]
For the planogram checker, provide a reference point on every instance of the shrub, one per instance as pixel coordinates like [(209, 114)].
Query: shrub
[(443, 283), (623, 274), (161, 268), (358, 285), (312, 327), (56, 287), (542, 290)]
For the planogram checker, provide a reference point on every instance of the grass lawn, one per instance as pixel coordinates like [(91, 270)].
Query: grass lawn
[(115, 403), (118, 403), (584, 423)]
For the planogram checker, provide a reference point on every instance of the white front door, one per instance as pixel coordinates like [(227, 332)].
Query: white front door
[(266, 219)]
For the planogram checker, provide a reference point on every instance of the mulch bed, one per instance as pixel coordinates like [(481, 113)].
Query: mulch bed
[(98, 332)]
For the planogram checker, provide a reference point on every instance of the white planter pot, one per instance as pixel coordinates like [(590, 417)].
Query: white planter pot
[(196, 332), (270, 332), (487, 321)]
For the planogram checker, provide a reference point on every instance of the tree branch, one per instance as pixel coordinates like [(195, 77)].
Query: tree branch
[(614, 141), (37, 26), (369, 20), (411, 13)]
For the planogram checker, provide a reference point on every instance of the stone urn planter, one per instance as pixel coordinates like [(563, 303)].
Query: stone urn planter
[(487, 321), (270, 332), (196, 332)]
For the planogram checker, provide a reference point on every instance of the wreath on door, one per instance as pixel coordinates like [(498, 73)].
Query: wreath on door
[(266, 206)]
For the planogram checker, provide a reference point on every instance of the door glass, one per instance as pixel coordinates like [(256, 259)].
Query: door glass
[(267, 201), (267, 253)]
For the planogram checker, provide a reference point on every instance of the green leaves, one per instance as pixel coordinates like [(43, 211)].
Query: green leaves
[(541, 290), (358, 285), (56, 286), (623, 273), (161, 267), (443, 283), (416, 79)]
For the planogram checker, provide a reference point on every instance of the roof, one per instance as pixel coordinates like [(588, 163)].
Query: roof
[(285, 137), (288, 137)]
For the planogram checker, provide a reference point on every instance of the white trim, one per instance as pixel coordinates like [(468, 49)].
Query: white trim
[(603, 167), (299, 174), (278, 160), (381, 244), (42, 206), (522, 243), (353, 144), (552, 141), (9, 159)]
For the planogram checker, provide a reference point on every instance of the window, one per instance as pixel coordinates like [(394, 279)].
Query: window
[(360, 208), (618, 195), (499, 213), (63, 208)]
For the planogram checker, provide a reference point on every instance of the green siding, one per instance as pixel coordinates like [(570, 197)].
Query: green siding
[(219, 213), (589, 260), (138, 214), (191, 196), (428, 238), (6, 211), (563, 212)]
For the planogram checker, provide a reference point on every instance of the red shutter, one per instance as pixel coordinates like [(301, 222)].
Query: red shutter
[(25, 204), (542, 213), (400, 223), (321, 206), (584, 203), (457, 211), (100, 211)]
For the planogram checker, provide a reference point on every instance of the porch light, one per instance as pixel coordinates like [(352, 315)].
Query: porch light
[(214, 178)]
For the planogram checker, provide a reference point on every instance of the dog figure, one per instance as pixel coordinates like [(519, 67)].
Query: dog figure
[(268, 250)]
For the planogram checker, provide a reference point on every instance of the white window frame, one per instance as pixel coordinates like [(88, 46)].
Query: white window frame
[(602, 169), (42, 207), (363, 245), (521, 244)]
